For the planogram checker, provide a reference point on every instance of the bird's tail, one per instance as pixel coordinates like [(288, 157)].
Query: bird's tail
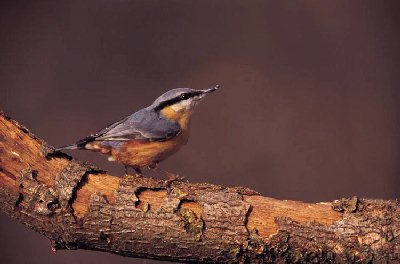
[(72, 146), (80, 144)]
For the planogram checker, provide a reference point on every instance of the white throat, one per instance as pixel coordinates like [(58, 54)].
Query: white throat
[(183, 105)]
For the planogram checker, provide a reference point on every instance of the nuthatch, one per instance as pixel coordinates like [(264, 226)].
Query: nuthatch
[(149, 135)]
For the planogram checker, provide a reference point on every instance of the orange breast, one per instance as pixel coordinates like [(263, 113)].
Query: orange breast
[(142, 154)]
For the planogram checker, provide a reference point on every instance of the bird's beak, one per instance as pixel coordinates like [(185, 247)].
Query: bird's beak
[(204, 93), (208, 91)]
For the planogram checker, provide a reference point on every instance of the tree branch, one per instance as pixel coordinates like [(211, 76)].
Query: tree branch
[(78, 206)]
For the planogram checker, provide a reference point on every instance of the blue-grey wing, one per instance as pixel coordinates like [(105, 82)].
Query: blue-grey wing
[(142, 125)]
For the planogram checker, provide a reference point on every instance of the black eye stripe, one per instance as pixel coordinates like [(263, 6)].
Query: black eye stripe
[(177, 99), (189, 95)]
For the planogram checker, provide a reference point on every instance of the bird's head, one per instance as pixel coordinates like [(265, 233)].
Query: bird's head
[(180, 102)]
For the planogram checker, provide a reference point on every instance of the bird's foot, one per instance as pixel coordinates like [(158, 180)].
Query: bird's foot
[(131, 176), (171, 179), (175, 177), (138, 172)]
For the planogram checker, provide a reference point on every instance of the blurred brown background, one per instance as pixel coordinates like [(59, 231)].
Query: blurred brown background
[(308, 109)]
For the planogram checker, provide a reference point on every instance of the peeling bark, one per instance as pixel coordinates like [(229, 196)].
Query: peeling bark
[(78, 206)]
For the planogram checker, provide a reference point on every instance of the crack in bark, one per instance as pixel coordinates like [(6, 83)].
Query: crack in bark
[(73, 193), (71, 179), (7, 173), (19, 200)]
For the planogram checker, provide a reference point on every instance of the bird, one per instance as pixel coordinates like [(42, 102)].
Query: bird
[(150, 135)]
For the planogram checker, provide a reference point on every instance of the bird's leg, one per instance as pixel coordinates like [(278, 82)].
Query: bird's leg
[(137, 170), (172, 177)]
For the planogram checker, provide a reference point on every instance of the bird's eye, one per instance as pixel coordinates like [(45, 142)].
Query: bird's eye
[(183, 96)]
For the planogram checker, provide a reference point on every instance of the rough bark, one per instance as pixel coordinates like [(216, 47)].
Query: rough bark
[(78, 206)]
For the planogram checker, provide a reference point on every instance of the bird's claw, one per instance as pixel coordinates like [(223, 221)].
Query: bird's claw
[(171, 179), (175, 177), (128, 175)]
